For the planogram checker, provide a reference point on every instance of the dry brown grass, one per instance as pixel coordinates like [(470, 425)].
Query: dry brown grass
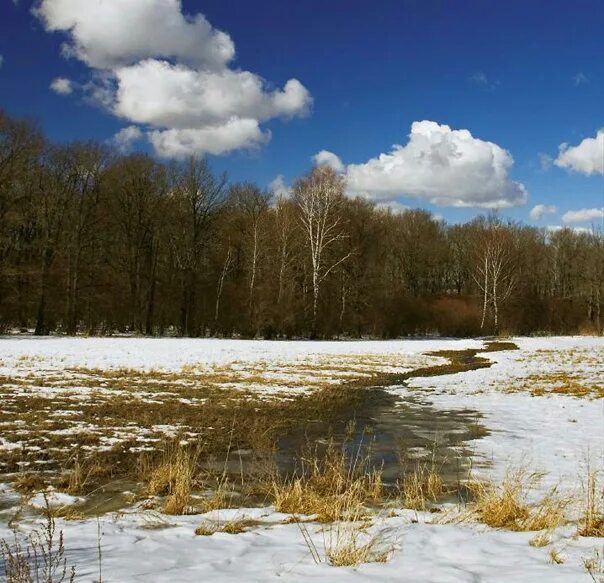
[(87, 427), (505, 505), (555, 556), (347, 546), (500, 505), (40, 557), (236, 526), (592, 519), (174, 479), (575, 373), (138, 410), (594, 566), (421, 487), (331, 486), (540, 540)]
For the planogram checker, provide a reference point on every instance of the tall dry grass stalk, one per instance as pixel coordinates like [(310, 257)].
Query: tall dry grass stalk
[(40, 558), (332, 486), (174, 478), (505, 505), (347, 545), (421, 487), (592, 519)]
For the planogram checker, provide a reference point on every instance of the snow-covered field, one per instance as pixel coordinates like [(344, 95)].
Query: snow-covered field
[(536, 426)]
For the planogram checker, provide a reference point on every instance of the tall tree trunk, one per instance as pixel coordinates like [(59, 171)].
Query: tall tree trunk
[(41, 327)]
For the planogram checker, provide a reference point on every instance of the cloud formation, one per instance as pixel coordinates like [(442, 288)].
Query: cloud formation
[(325, 158), (586, 158), (540, 210), (106, 34), (126, 138), (169, 72), (583, 215), (278, 187), (440, 165), (62, 86)]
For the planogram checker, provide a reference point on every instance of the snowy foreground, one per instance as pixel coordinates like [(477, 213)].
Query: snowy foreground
[(554, 433)]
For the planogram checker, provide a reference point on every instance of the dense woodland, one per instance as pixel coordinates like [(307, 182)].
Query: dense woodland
[(94, 241)]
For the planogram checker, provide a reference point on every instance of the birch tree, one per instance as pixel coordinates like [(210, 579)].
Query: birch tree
[(495, 269), (319, 198)]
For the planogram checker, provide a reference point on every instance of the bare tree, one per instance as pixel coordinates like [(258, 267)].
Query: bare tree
[(252, 205), (284, 227), (226, 268), (320, 198), (198, 194), (494, 273), (90, 162)]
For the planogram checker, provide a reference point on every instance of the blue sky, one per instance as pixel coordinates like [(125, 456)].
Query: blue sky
[(524, 76)]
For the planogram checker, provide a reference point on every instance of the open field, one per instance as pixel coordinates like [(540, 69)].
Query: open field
[(413, 460)]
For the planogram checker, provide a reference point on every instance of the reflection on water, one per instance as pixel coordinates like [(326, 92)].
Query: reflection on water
[(396, 435)]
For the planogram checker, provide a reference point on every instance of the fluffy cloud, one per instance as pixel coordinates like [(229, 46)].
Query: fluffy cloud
[(158, 93), (219, 139), (583, 215), (586, 158), (325, 158), (61, 86), (442, 166), (109, 33), (540, 210), (278, 187), (169, 72), (126, 137)]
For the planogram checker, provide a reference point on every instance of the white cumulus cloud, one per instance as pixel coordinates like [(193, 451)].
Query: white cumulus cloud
[(540, 210), (109, 33), (234, 134), (278, 187), (126, 138), (443, 166), (586, 158), (326, 158), (158, 93), (62, 86), (583, 215), (168, 72)]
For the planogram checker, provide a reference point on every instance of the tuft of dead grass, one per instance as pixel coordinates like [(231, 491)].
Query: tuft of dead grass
[(540, 540), (174, 479), (592, 519), (347, 545), (500, 505), (330, 486), (421, 487), (505, 505), (350, 547), (236, 526), (594, 566), (555, 556)]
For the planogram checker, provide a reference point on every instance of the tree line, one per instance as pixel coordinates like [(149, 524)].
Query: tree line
[(97, 242)]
